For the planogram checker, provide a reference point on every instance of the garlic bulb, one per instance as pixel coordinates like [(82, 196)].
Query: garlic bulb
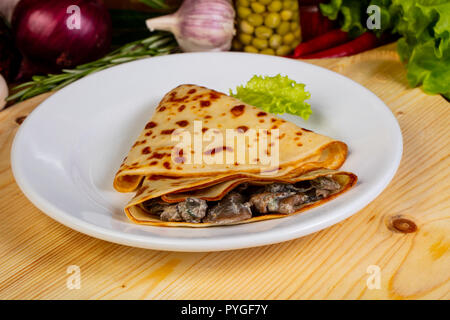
[(3, 92), (199, 25), (7, 8)]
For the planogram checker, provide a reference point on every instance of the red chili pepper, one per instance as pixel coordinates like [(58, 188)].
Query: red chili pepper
[(325, 41), (364, 42)]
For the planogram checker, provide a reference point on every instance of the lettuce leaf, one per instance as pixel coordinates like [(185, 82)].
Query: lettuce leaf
[(424, 68), (422, 21), (277, 94), (348, 12), (352, 14), (424, 27)]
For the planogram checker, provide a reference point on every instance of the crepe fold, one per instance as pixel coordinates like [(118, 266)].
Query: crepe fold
[(158, 169)]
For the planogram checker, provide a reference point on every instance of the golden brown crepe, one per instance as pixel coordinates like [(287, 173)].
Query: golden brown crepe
[(151, 154), (160, 173)]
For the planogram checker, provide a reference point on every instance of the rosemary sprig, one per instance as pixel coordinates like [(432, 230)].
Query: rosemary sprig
[(156, 4), (159, 43)]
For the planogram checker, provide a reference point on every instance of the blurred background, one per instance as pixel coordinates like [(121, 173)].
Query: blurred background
[(42, 49)]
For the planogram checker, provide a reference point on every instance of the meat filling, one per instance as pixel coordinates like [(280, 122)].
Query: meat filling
[(171, 213), (266, 202), (231, 208), (245, 201), (290, 204), (192, 210)]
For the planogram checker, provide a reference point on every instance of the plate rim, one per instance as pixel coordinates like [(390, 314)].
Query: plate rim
[(142, 241)]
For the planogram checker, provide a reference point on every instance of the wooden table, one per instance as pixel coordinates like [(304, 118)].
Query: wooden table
[(336, 263)]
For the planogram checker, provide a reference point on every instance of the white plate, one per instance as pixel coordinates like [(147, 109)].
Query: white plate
[(67, 151)]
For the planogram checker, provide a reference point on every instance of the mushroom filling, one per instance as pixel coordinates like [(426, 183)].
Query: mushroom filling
[(244, 202)]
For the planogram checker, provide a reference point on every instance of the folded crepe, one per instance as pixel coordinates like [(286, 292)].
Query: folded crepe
[(207, 159)]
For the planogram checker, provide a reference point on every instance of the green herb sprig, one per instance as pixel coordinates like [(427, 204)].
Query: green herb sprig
[(160, 43), (156, 4)]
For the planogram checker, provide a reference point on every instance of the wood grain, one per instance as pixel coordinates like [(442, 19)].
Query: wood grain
[(330, 264)]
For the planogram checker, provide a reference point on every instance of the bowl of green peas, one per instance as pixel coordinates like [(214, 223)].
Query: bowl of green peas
[(267, 26)]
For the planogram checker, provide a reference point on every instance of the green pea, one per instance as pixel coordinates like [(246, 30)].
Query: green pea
[(245, 38), (237, 45), (265, 2), (263, 32), (287, 4), (295, 26), (255, 19), (268, 51), (294, 6), (298, 33), (286, 15), (272, 20), (250, 49), (244, 3), (283, 50), (243, 12), (246, 27), (260, 43), (288, 38), (283, 28), (258, 7), (275, 41), (275, 6)]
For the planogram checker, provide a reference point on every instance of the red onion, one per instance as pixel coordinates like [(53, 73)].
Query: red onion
[(9, 55), (63, 33)]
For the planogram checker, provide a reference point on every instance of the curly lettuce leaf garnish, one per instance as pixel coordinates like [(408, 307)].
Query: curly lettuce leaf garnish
[(424, 68), (277, 95), (424, 27)]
